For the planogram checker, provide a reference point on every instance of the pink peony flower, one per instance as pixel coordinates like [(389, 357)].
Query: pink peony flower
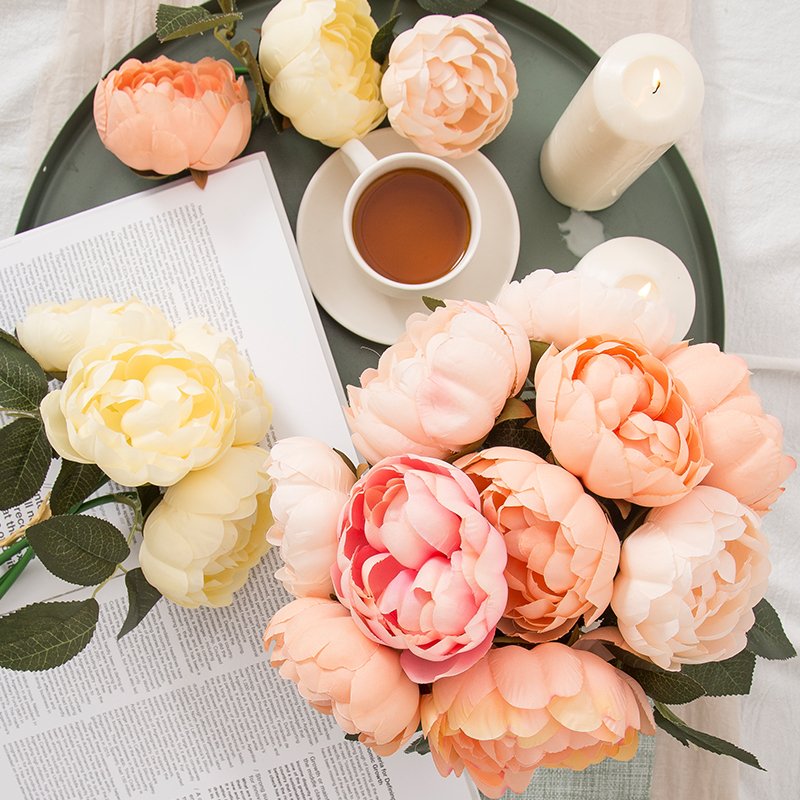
[(743, 443), (450, 84), (419, 567), (167, 116), (517, 710), (441, 385), (689, 579), (340, 672), (561, 308), (562, 551), (311, 485), (615, 418)]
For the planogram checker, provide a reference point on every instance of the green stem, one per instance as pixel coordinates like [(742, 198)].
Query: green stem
[(241, 71), (127, 498), (8, 579), (395, 6), (10, 552)]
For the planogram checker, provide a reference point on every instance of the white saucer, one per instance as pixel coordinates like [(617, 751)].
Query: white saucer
[(348, 296)]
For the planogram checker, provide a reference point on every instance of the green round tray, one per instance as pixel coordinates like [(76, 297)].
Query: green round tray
[(664, 204)]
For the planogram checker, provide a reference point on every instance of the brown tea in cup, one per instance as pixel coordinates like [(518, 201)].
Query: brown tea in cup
[(411, 225)]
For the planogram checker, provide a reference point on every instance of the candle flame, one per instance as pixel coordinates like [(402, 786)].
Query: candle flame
[(656, 80), (645, 290)]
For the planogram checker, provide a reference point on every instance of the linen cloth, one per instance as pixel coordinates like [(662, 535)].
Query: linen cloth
[(53, 52)]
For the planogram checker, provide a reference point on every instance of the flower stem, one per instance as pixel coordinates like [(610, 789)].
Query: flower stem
[(8, 579), (241, 71), (10, 552), (127, 498)]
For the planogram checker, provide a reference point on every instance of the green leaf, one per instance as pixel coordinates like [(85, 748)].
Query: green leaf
[(23, 383), (383, 40), (538, 349), (149, 497), (660, 684), (24, 460), (766, 638), (174, 22), (451, 7), (244, 53), (348, 463), (46, 635), (723, 678), (79, 549), (141, 598), (352, 737), (9, 338), (431, 303), (515, 433), (419, 745), (75, 482), (676, 727)]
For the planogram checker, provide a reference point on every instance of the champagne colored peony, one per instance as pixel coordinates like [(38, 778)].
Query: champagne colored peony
[(311, 484), (341, 672), (450, 84), (517, 710), (54, 332), (144, 413), (615, 417), (209, 530), (744, 444), (562, 551), (441, 386), (253, 411), (689, 579), (315, 54), (419, 567), (168, 116), (561, 308)]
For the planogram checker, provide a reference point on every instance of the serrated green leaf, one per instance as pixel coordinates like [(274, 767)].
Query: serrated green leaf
[(383, 40), (733, 676), (23, 383), (174, 22), (451, 7), (676, 727), (675, 688), (24, 460), (79, 549), (141, 598), (75, 482), (46, 635), (432, 303), (766, 638), (9, 338)]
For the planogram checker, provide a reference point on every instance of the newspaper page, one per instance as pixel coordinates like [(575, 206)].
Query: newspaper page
[(186, 707)]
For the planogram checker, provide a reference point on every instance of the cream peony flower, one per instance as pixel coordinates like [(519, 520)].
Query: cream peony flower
[(311, 486), (144, 413), (253, 411), (54, 332), (450, 84), (209, 530), (689, 579), (315, 54)]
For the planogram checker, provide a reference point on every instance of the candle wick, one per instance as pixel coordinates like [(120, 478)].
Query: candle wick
[(658, 86)]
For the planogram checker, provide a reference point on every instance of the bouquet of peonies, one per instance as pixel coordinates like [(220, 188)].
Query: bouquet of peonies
[(561, 516), (147, 406)]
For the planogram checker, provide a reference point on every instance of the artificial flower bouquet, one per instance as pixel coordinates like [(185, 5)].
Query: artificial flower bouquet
[(171, 417), (560, 521)]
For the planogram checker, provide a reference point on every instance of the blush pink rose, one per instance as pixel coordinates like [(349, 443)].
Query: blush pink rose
[(615, 417), (743, 443), (561, 308), (450, 84), (563, 552), (419, 567), (689, 579), (341, 672), (517, 710), (441, 386), (167, 116)]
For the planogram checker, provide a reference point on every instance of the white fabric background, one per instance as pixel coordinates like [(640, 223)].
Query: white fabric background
[(52, 52)]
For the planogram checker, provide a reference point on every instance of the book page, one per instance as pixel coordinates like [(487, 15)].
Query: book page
[(187, 707)]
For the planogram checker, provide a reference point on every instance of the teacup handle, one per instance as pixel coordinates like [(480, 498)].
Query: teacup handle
[(358, 158)]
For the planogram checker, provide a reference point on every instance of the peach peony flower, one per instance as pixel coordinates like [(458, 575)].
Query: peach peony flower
[(441, 385), (167, 116), (615, 418), (450, 84), (340, 672), (689, 579), (517, 710), (419, 567), (562, 551), (561, 308), (311, 485), (743, 443)]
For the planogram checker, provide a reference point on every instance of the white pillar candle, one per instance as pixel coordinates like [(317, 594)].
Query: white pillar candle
[(648, 268), (645, 92)]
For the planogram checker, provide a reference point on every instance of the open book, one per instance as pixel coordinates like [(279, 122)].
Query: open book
[(187, 707)]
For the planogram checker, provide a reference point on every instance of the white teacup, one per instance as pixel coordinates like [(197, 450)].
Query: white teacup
[(367, 169)]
